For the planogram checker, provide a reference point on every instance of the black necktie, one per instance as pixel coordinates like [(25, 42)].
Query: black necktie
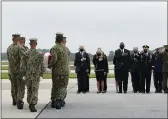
[(122, 51)]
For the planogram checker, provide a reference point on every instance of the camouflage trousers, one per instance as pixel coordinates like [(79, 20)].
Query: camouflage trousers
[(17, 86), (32, 83), (59, 87), (165, 81)]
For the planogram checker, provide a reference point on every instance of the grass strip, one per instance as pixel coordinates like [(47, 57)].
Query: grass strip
[(48, 76)]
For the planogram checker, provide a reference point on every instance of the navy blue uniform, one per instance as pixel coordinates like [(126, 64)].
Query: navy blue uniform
[(146, 70), (157, 67)]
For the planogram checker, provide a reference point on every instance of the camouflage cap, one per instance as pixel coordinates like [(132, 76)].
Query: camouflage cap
[(33, 40), (145, 46), (22, 38), (16, 35), (166, 46), (64, 38)]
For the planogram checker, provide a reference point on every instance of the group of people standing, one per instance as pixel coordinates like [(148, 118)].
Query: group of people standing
[(139, 64), (82, 69), (26, 68)]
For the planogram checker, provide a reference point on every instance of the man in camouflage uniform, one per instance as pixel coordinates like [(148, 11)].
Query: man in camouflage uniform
[(165, 68), (22, 43), (21, 81), (60, 72), (33, 69), (14, 54)]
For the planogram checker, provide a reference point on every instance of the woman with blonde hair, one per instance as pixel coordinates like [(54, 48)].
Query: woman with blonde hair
[(100, 63)]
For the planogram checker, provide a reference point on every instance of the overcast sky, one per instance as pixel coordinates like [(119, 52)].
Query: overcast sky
[(92, 24)]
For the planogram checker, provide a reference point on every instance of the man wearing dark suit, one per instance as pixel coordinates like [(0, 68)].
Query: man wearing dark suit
[(122, 65), (135, 70), (82, 64)]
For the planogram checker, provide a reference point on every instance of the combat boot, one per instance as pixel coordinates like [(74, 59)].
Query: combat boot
[(62, 103), (14, 102), (20, 104), (32, 108), (53, 103), (58, 104)]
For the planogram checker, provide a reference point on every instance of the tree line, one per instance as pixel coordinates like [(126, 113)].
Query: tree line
[(110, 56)]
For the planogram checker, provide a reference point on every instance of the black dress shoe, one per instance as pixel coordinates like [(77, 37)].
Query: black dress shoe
[(156, 91), (147, 92), (135, 91), (165, 92), (160, 91), (143, 92), (125, 91), (84, 92), (78, 92), (119, 92)]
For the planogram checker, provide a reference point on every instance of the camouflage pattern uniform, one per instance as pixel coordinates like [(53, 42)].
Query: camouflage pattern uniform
[(14, 53), (21, 81), (60, 74), (165, 69), (33, 69)]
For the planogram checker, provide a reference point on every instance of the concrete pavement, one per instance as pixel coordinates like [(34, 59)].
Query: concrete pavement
[(91, 105)]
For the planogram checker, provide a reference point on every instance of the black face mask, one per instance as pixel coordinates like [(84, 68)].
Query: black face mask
[(81, 50), (98, 54), (166, 50), (122, 46), (145, 51)]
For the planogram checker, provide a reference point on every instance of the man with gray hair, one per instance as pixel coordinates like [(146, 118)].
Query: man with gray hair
[(82, 69), (135, 70)]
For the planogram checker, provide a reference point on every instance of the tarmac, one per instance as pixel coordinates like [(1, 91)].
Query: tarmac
[(89, 105)]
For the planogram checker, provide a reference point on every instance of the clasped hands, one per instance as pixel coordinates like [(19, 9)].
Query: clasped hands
[(83, 59)]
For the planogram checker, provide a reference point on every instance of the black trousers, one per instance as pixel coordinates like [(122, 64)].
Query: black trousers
[(145, 79), (82, 81), (158, 80), (135, 81), (87, 83), (122, 79)]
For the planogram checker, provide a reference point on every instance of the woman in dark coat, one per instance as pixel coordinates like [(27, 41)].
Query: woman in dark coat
[(101, 69)]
